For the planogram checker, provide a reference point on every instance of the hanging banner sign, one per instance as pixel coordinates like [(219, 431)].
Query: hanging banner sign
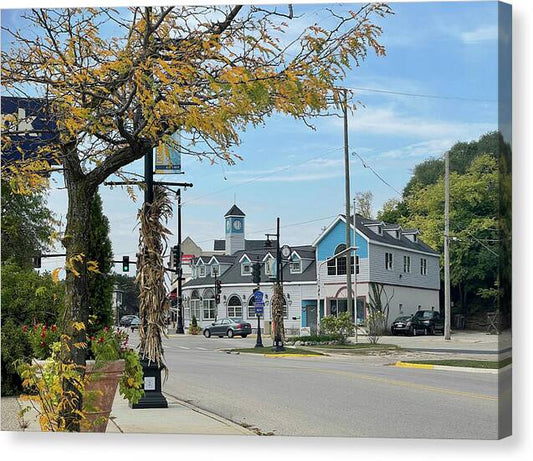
[(168, 156), (27, 127)]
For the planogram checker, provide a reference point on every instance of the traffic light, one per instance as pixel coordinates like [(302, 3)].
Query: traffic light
[(217, 299), (256, 273), (175, 257), (125, 263), (37, 261), (219, 287)]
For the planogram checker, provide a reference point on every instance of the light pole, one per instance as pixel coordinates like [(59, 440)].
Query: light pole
[(447, 307)]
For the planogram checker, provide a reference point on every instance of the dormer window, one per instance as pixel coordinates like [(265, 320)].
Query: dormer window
[(397, 234), (201, 271), (215, 270), (270, 266), (380, 230), (246, 266), (295, 264)]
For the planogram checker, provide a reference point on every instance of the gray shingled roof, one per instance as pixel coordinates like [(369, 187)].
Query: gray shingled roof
[(235, 211), (389, 239), (249, 245), (233, 274)]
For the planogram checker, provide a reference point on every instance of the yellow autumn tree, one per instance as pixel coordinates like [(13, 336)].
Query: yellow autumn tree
[(120, 81)]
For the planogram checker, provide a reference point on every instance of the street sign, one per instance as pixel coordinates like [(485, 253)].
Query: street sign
[(258, 297), (259, 309), (27, 125)]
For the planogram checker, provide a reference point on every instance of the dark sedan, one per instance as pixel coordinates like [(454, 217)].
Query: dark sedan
[(432, 321), (125, 320), (409, 325), (228, 327)]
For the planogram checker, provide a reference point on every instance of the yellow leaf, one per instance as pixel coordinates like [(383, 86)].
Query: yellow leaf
[(55, 274), (78, 326)]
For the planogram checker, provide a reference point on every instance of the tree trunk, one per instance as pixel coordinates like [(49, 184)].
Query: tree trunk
[(76, 243)]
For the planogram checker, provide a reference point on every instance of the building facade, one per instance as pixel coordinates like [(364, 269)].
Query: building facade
[(389, 262)]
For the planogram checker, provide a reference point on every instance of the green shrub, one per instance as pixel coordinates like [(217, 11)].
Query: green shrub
[(314, 339), (342, 326), (194, 328), (15, 347)]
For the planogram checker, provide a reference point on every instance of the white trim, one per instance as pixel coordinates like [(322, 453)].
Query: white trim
[(267, 256), (203, 266), (198, 261), (374, 242), (195, 287), (333, 224), (211, 260), (245, 256)]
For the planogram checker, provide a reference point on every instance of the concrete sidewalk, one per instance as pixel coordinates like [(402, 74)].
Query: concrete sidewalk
[(466, 341), (179, 418)]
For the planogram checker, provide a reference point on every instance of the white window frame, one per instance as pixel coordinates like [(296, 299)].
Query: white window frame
[(293, 261), (246, 266), (201, 271), (389, 261), (234, 314), (268, 265), (196, 309), (407, 264), (213, 270), (423, 266)]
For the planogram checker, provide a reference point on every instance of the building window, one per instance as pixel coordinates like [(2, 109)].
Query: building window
[(423, 266), (201, 271), (270, 266), (388, 261), (295, 265), (407, 264), (246, 266), (215, 270), (332, 267), (356, 264), (195, 305), (380, 230), (208, 304), (397, 234), (235, 307)]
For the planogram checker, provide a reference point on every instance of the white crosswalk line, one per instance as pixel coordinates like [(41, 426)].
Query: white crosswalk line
[(183, 347)]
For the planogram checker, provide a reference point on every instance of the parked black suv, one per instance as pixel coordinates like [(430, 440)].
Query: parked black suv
[(432, 321)]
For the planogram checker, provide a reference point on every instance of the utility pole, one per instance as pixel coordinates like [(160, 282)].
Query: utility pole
[(347, 200), (179, 322), (447, 309), (354, 269)]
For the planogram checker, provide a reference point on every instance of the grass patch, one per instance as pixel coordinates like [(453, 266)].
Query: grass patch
[(269, 350), (362, 346), (493, 364)]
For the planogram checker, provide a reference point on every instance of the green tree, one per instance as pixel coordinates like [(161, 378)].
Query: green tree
[(363, 204), (130, 293), (474, 203), (100, 283), (27, 225), (393, 211)]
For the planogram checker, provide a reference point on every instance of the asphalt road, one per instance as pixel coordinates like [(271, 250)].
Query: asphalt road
[(333, 396)]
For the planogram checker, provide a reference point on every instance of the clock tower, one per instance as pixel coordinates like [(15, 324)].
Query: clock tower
[(234, 230)]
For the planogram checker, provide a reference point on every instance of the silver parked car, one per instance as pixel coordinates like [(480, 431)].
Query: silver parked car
[(228, 327)]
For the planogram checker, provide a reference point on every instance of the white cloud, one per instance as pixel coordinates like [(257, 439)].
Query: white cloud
[(479, 35)]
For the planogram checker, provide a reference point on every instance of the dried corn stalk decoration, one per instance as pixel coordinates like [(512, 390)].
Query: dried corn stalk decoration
[(277, 312), (153, 300)]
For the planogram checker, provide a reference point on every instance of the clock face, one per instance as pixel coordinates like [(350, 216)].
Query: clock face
[(285, 251), (237, 224)]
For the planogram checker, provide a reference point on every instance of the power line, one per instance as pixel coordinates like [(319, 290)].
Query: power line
[(376, 173), (256, 178), (421, 95)]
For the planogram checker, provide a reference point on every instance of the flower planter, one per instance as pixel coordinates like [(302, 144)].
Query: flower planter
[(101, 390)]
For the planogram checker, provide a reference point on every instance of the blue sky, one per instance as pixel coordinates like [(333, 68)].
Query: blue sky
[(448, 50)]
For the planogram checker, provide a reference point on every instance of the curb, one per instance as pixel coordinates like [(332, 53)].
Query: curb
[(427, 366), (212, 415), (292, 355)]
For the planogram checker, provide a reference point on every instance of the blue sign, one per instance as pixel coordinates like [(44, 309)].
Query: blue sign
[(32, 126), (259, 309), (258, 296)]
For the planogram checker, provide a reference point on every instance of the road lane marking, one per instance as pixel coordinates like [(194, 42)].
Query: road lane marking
[(202, 348), (183, 347), (410, 385)]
